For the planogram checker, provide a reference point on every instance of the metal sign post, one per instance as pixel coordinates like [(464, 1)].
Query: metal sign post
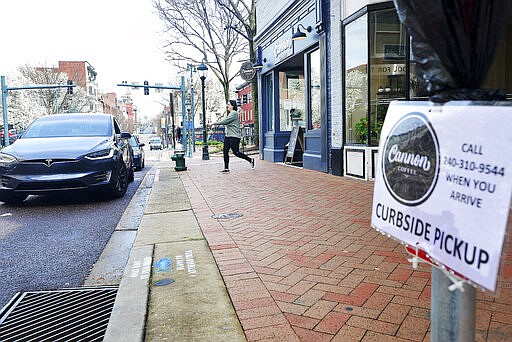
[(4, 110), (452, 312), (181, 87), (171, 108)]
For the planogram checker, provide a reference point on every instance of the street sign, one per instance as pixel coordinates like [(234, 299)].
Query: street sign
[(444, 183)]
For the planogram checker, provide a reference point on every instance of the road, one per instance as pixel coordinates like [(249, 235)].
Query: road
[(52, 242)]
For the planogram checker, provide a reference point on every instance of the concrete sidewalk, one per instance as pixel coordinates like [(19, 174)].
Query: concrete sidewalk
[(171, 288), (276, 254)]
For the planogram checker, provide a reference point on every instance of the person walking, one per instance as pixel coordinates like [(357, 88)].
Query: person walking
[(232, 137), (178, 134)]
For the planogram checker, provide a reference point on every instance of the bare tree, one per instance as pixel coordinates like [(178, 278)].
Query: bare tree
[(244, 23), (50, 99), (196, 34), (57, 100), (23, 106)]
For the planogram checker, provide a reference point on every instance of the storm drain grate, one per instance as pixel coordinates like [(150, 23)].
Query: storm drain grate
[(79, 314)]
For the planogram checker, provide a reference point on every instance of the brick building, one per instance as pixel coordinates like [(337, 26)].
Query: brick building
[(245, 104)]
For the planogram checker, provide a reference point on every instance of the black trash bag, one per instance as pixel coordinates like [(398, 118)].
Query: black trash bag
[(454, 43)]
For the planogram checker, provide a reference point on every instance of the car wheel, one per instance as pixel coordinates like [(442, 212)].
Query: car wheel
[(121, 183), (12, 198)]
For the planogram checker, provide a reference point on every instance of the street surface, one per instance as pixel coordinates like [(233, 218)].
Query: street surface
[(52, 242)]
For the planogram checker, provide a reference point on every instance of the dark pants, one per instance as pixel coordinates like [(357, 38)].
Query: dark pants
[(233, 144)]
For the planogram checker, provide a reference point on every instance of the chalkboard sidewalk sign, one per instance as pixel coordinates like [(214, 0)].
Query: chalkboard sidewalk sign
[(295, 135)]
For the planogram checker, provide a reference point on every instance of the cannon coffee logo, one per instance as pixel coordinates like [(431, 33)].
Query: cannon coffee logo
[(410, 160)]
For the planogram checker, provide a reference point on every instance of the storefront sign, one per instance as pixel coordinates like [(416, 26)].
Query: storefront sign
[(247, 71), (283, 47), (444, 183)]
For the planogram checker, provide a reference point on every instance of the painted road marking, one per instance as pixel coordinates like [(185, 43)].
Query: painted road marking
[(191, 264), (142, 268), (180, 263)]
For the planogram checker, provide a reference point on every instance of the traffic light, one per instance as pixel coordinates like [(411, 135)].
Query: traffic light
[(146, 89), (70, 89)]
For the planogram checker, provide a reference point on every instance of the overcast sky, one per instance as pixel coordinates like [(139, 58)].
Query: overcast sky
[(121, 39)]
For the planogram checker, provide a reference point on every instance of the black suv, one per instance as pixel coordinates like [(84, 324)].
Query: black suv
[(64, 152)]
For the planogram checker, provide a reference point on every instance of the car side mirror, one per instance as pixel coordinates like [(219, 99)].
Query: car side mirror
[(125, 135), (142, 144)]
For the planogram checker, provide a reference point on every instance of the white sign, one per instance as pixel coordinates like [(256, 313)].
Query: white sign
[(444, 182), (283, 47)]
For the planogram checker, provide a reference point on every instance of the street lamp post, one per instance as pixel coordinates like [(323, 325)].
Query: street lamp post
[(203, 69)]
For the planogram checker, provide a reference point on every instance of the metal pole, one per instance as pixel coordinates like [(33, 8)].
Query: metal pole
[(206, 156), (189, 125), (452, 313), (4, 110), (183, 111), (166, 117), (191, 128), (171, 106), (192, 115)]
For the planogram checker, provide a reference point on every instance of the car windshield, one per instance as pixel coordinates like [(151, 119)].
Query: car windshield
[(79, 126), (133, 142), (155, 141)]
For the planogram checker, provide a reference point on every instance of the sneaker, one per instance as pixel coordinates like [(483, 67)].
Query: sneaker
[(224, 171), (252, 163)]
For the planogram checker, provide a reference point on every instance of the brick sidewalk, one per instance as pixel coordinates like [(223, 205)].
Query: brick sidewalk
[(303, 263)]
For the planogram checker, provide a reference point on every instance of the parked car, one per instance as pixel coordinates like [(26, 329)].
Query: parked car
[(155, 143), (12, 136), (138, 153), (64, 152)]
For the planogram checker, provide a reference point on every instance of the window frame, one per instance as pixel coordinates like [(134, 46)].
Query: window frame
[(269, 101), (366, 11), (307, 76)]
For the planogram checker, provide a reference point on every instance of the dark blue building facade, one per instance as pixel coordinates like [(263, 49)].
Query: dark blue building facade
[(292, 51)]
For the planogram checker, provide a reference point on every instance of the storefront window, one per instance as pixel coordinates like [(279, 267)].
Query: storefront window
[(378, 70), (356, 81), (291, 99), (315, 103), (269, 101), (417, 90), (387, 71)]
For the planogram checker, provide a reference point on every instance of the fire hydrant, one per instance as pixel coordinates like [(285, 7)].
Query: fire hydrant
[(179, 158)]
